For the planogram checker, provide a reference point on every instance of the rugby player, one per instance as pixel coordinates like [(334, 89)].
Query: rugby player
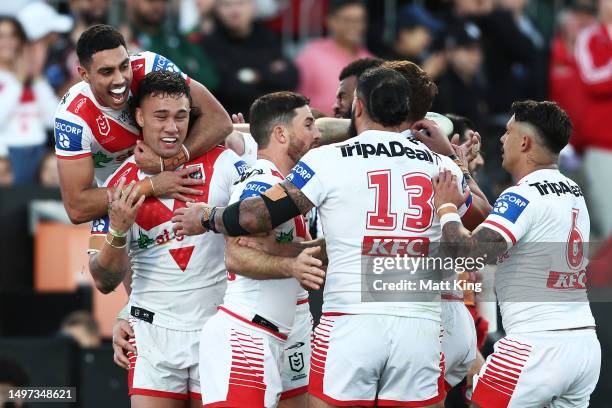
[(539, 281), (263, 307), (351, 185), (176, 283), (95, 133)]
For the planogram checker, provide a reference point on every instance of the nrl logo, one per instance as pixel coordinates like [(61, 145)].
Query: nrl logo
[(296, 361), (103, 125)]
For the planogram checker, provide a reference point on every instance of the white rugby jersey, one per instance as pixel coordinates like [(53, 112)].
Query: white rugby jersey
[(273, 299), (250, 149), (172, 276), (84, 128), (374, 192), (545, 222)]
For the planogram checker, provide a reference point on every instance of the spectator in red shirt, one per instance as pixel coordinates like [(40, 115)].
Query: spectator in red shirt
[(594, 58)]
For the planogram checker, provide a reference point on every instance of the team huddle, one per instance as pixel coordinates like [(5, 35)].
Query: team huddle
[(214, 249)]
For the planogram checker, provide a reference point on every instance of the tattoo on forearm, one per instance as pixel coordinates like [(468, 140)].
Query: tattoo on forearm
[(108, 280), (483, 242), (301, 201)]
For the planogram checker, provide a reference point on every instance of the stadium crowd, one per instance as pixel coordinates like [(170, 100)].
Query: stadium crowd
[(290, 83)]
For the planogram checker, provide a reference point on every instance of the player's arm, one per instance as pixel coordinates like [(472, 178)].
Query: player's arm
[(82, 201), (257, 264), (253, 215), (110, 264), (481, 243), (288, 249)]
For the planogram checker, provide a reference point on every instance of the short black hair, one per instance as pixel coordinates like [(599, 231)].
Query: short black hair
[(385, 94), (460, 125), (160, 83), (359, 66), (423, 89), (335, 5), (548, 118), (97, 38), (271, 110)]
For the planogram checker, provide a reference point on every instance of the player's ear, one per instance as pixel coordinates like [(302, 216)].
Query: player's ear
[(280, 133), (83, 74), (139, 118), (359, 108), (526, 142)]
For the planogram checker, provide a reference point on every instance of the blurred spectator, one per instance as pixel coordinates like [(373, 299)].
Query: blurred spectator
[(205, 21), (12, 374), (462, 89), (151, 29), (6, 172), (27, 101), (529, 78), (415, 31), (348, 83), (564, 80), (61, 67), (83, 328), (47, 174), (321, 60), (594, 57), (247, 55)]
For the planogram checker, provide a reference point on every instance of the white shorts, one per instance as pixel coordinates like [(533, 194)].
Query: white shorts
[(359, 357), (458, 342), (556, 369), (166, 364), (240, 362), (296, 359)]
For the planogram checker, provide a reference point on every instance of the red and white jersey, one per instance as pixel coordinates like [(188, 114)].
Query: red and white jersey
[(545, 222), (374, 197), (250, 149), (84, 128), (172, 276), (273, 299)]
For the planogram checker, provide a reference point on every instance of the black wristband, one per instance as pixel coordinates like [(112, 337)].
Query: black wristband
[(453, 157), (206, 218)]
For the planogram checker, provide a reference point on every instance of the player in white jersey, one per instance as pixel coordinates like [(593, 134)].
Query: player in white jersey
[(176, 282), (539, 229), (243, 362), (95, 133), (351, 184)]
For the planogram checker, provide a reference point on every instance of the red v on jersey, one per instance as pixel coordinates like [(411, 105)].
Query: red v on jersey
[(111, 135), (182, 256)]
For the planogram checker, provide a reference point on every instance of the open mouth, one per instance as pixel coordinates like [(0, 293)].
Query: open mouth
[(119, 94), (169, 141)]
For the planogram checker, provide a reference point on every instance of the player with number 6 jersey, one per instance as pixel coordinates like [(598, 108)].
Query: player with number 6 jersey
[(539, 231)]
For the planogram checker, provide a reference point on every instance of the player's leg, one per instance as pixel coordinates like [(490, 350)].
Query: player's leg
[(155, 379), (348, 355), (413, 375), (296, 361)]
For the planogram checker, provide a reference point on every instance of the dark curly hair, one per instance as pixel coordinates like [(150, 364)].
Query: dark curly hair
[(359, 66)]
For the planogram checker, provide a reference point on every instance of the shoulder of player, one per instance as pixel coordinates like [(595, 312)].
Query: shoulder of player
[(128, 169)]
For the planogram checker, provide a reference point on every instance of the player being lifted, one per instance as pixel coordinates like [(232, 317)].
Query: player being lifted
[(540, 280), (352, 190), (95, 133), (177, 282)]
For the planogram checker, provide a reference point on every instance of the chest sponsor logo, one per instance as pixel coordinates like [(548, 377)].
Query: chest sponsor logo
[(68, 135), (300, 175), (567, 280), (510, 206), (395, 246)]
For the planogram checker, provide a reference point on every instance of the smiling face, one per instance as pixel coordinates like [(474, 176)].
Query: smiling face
[(109, 75), (164, 120)]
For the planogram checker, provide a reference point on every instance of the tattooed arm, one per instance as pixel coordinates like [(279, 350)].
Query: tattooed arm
[(109, 267), (482, 243)]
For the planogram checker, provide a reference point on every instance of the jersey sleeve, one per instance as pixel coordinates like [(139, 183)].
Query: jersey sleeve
[(512, 215), (306, 176), (233, 169), (72, 136), (99, 229)]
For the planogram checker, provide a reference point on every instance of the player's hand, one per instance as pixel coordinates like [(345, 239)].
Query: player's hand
[(176, 184), (123, 205), (146, 159), (470, 148), (188, 220), (431, 135), (307, 269), (446, 190), (238, 118), (122, 332), (264, 242)]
